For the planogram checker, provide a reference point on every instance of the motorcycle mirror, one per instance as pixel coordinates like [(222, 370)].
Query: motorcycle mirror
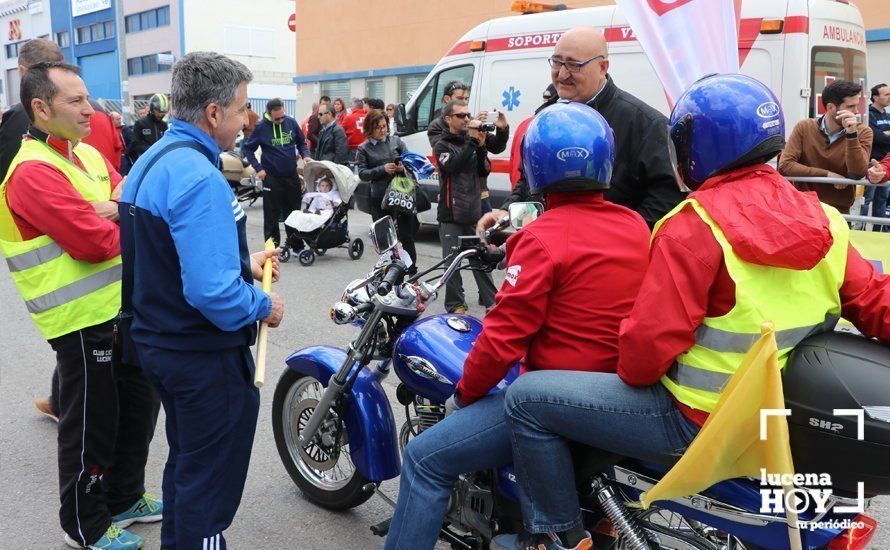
[(383, 235), (524, 213)]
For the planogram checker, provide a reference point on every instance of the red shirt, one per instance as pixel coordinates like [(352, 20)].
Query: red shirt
[(516, 150), (44, 202), (572, 276), (768, 222), (353, 126), (885, 162), (106, 138)]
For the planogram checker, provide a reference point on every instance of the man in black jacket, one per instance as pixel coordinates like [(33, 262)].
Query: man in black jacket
[(879, 122), (643, 179), (463, 163), (332, 142), (150, 128)]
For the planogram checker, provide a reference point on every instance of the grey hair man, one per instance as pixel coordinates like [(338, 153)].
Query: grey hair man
[(194, 308)]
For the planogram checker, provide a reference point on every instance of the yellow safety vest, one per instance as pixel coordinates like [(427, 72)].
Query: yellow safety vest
[(799, 303), (62, 294)]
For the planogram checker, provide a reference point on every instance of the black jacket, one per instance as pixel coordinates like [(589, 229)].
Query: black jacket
[(463, 164), (146, 131), (370, 158), (495, 143), (643, 179), (14, 125), (333, 145), (879, 123)]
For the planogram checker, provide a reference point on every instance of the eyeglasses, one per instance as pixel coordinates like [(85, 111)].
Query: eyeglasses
[(382, 127), (461, 115), (571, 66), (278, 118)]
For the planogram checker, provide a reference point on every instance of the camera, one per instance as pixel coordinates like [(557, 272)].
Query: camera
[(486, 128)]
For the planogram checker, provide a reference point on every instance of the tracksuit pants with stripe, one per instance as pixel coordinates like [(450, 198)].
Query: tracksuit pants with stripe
[(107, 417), (211, 406)]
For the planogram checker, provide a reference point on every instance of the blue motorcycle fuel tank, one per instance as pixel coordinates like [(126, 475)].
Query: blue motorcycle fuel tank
[(429, 356)]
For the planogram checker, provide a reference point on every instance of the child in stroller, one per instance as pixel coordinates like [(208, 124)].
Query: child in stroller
[(324, 222)]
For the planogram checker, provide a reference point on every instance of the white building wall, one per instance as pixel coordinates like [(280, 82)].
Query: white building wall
[(33, 21), (878, 62)]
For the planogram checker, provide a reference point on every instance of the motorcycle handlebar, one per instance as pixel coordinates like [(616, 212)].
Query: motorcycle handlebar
[(394, 274)]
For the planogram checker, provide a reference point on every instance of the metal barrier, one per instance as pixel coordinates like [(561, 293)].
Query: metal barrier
[(864, 220)]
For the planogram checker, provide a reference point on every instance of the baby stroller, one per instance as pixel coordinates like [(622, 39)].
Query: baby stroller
[(330, 230)]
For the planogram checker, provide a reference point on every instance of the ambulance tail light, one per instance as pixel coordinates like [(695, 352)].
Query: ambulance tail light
[(524, 6), (477, 45), (772, 26), (855, 539)]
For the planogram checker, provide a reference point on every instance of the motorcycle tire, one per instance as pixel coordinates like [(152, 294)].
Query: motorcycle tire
[(341, 495), (356, 249), (284, 255), (306, 257)]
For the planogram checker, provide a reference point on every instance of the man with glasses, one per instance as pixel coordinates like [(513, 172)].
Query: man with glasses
[(282, 142), (643, 179), (332, 142)]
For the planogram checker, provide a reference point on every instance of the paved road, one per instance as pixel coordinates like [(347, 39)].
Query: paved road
[(273, 515)]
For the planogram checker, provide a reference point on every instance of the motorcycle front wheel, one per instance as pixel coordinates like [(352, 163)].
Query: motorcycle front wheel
[(323, 471)]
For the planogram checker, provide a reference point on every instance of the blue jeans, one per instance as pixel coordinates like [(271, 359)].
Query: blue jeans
[(546, 409), (472, 439), (486, 205), (876, 197)]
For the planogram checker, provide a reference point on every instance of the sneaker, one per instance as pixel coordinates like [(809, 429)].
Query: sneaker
[(459, 310), (540, 541), (147, 509), (43, 407), (114, 538)]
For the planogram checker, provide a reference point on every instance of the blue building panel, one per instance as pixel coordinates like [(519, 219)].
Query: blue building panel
[(98, 58)]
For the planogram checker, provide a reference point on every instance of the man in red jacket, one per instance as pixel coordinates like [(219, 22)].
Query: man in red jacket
[(879, 172), (746, 247), (353, 126), (572, 276)]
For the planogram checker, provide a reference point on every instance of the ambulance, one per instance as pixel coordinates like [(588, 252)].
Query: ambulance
[(796, 47)]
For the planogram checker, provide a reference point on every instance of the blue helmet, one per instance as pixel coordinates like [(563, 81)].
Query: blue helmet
[(568, 147), (723, 122)]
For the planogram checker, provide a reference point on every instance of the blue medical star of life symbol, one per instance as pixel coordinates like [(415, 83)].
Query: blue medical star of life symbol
[(511, 98)]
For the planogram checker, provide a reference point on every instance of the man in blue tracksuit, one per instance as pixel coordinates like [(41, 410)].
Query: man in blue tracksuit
[(188, 284), (281, 140)]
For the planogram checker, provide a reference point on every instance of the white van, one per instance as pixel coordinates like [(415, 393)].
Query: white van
[(794, 46)]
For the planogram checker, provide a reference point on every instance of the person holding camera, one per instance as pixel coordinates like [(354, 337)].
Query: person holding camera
[(463, 164), (379, 160)]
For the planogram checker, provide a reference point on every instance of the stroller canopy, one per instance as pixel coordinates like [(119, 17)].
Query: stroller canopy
[(342, 177)]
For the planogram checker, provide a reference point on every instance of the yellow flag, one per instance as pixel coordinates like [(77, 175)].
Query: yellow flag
[(729, 445)]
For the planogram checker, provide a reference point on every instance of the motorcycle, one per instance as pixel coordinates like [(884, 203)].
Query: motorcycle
[(336, 434), (241, 177)]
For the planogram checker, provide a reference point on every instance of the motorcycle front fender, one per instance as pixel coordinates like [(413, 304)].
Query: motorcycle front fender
[(368, 417)]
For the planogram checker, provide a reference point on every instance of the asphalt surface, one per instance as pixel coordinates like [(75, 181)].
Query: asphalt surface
[(273, 514)]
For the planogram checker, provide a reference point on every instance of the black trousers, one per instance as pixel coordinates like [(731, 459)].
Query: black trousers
[(281, 196), (406, 227), (454, 288), (107, 419)]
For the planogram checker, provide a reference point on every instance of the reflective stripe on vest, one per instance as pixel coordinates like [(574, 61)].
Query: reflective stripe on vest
[(33, 258), (62, 294), (799, 302)]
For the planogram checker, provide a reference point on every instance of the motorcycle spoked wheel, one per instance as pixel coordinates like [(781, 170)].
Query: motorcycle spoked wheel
[(325, 475), (681, 533)]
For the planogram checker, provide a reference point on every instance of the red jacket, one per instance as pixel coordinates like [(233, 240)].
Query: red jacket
[(516, 150), (573, 275), (44, 202), (767, 222), (353, 125), (885, 162), (106, 138)]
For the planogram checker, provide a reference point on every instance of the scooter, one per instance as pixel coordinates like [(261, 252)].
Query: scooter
[(241, 177), (336, 434)]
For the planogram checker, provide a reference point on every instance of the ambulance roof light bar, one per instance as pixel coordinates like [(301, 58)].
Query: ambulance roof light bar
[(525, 7)]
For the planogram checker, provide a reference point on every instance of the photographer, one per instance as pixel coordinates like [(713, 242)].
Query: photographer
[(462, 159)]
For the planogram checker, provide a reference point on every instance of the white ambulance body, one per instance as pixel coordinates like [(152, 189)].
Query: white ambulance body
[(794, 46)]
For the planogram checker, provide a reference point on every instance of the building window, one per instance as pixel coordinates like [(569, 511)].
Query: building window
[(336, 88), (374, 88), (252, 41), (146, 20), (94, 32), (63, 39), (146, 64), (408, 85), (12, 50)]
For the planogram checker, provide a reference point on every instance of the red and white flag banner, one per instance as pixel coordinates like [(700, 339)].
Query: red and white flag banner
[(685, 39)]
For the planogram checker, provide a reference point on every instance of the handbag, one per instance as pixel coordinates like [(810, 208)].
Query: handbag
[(422, 201), (400, 196)]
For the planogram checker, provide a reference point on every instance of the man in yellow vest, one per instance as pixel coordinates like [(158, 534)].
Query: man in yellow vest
[(59, 235), (744, 248)]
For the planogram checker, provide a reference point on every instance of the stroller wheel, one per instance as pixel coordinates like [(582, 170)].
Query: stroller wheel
[(284, 255), (356, 249), (306, 257)]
